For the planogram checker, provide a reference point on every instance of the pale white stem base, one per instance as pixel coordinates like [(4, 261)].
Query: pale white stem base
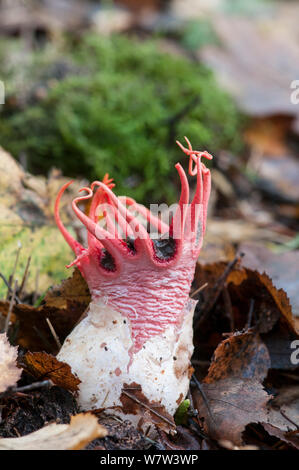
[(99, 352)]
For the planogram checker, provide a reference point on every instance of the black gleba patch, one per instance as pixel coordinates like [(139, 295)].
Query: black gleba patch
[(164, 248), (107, 261)]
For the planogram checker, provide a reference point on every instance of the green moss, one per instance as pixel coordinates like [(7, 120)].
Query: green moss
[(49, 255), (113, 111)]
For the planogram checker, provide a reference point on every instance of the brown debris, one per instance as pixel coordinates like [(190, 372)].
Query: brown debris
[(242, 355), (82, 429), (234, 403), (151, 413), (45, 366), (63, 306)]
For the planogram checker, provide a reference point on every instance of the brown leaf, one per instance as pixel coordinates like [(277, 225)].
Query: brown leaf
[(242, 355), (82, 429), (71, 291), (45, 366), (63, 305), (282, 268), (9, 372), (291, 438), (233, 403), (151, 413), (184, 439), (272, 313)]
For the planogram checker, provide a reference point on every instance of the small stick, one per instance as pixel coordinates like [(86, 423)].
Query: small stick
[(199, 290), (250, 313), (204, 397), (55, 336), (11, 304), (25, 275), (215, 292), (36, 287), (228, 307), (289, 419), (11, 277), (9, 287), (26, 388), (132, 397)]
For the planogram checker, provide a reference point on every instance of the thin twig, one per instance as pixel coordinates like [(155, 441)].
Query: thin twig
[(228, 307), (250, 313), (11, 277), (26, 388), (53, 333), (204, 397), (9, 287), (197, 291), (132, 397), (36, 287), (289, 419), (215, 292), (11, 304), (25, 275)]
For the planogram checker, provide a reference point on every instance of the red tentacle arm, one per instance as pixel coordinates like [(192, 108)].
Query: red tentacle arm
[(75, 246)]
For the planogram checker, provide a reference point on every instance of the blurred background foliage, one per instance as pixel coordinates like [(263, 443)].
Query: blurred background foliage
[(113, 104)]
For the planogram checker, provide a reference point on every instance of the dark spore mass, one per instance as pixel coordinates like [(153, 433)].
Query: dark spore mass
[(131, 244), (164, 248), (107, 261)]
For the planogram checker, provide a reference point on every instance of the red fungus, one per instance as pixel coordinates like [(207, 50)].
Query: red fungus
[(147, 279)]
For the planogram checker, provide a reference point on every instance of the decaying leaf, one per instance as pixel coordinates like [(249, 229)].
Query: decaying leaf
[(282, 268), (233, 403), (71, 291), (45, 366), (9, 372), (82, 429), (232, 388), (271, 303), (243, 356), (134, 402), (291, 437), (247, 290), (184, 439), (63, 306), (234, 395)]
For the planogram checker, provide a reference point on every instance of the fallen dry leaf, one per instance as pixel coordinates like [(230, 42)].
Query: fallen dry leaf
[(246, 290), (233, 403), (9, 372), (71, 291), (45, 366), (82, 429), (282, 268), (291, 437), (233, 391), (242, 355), (184, 439), (151, 413), (63, 305)]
